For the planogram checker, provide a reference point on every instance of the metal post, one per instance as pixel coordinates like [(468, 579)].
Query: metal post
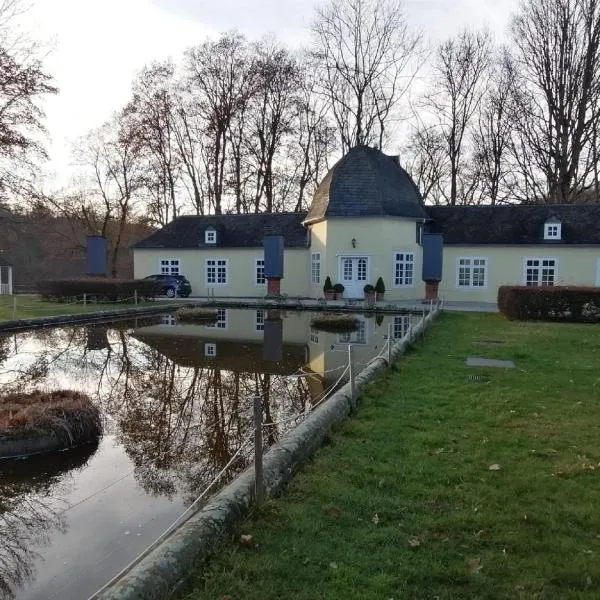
[(259, 489), (84, 298), (389, 359), (430, 306), (14, 306), (351, 371), (135, 297)]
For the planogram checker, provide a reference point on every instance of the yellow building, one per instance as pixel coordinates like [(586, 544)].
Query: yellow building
[(368, 221)]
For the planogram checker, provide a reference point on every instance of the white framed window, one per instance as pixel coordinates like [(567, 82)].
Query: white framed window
[(404, 269), (359, 336), (210, 236), (471, 272), (210, 349), (361, 269), (169, 266), (169, 320), (315, 268), (314, 335), (259, 272), (259, 321), (401, 325), (540, 271), (216, 271), (221, 321), (552, 231)]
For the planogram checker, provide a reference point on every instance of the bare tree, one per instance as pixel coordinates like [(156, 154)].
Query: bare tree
[(111, 158), (152, 112), (367, 57), (219, 77), (427, 161), (460, 73), (557, 48), (23, 82), (492, 135)]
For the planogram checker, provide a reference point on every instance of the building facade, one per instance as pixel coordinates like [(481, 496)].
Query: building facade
[(367, 220)]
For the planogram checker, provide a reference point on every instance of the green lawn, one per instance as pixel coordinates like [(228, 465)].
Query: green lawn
[(29, 306), (402, 502)]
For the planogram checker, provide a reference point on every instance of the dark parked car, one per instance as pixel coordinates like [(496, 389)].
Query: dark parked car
[(173, 285)]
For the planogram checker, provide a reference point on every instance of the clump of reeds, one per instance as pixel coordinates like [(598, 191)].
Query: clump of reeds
[(196, 314), (66, 414), (335, 323)]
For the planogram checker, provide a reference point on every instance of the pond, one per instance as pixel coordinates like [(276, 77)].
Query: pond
[(176, 403)]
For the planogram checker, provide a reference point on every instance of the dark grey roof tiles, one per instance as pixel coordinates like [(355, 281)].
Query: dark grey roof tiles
[(366, 183), (515, 224), (233, 231)]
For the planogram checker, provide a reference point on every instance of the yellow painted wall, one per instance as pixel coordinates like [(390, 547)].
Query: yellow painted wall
[(241, 269), (576, 266), (376, 238)]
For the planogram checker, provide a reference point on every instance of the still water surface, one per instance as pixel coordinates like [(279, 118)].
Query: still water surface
[(176, 402)]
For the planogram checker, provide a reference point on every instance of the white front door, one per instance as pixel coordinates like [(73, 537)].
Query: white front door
[(353, 275)]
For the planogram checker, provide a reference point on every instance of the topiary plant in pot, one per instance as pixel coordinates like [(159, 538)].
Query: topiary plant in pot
[(338, 288), (328, 289), (369, 291), (379, 289)]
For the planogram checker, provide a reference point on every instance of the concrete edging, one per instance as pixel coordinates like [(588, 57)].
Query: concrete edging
[(77, 318), (163, 567)]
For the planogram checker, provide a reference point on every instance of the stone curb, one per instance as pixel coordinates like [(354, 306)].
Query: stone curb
[(164, 567), (91, 317)]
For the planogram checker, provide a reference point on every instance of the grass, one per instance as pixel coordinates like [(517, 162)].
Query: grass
[(29, 306), (441, 486), (67, 414), (196, 314), (334, 323)]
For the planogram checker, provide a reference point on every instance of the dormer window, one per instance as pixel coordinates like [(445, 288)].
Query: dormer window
[(210, 236), (552, 229)]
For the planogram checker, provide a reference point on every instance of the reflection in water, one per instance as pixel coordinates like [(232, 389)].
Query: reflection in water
[(177, 398), (31, 510)]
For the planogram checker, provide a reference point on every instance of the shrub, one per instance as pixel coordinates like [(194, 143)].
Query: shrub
[(97, 288), (335, 323), (380, 286), (339, 288), (196, 314), (327, 286), (549, 303), (67, 414), (369, 289)]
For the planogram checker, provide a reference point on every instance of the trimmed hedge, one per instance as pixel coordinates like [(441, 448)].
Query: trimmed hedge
[(550, 303), (97, 289)]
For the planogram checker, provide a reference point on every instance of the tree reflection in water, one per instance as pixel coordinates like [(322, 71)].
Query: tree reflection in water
[(31, 510), (179, 416)]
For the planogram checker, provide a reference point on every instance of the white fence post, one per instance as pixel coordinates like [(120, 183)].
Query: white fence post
[(84, 298), (389, 352), (14, 316)]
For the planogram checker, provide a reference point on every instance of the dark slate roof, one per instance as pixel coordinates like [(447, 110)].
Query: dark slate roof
[(233, 231), (366, 183), (515, 224)]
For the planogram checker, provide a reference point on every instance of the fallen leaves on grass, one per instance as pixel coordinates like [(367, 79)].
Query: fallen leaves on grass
[(332, 511), (246, 541), (474, 565), (375, 518), (414, 541), (495, 467)]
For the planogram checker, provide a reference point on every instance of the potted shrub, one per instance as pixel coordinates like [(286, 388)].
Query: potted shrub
[(338, 288), (379, 289), (328, 289), (369, 291)]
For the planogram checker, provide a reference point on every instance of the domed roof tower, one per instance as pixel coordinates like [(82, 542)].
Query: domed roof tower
[(366, 183)]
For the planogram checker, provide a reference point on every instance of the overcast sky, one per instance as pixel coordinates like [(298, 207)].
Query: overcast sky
[(97, 46)]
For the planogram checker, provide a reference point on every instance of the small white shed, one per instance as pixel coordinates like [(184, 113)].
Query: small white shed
[(6, 279)]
